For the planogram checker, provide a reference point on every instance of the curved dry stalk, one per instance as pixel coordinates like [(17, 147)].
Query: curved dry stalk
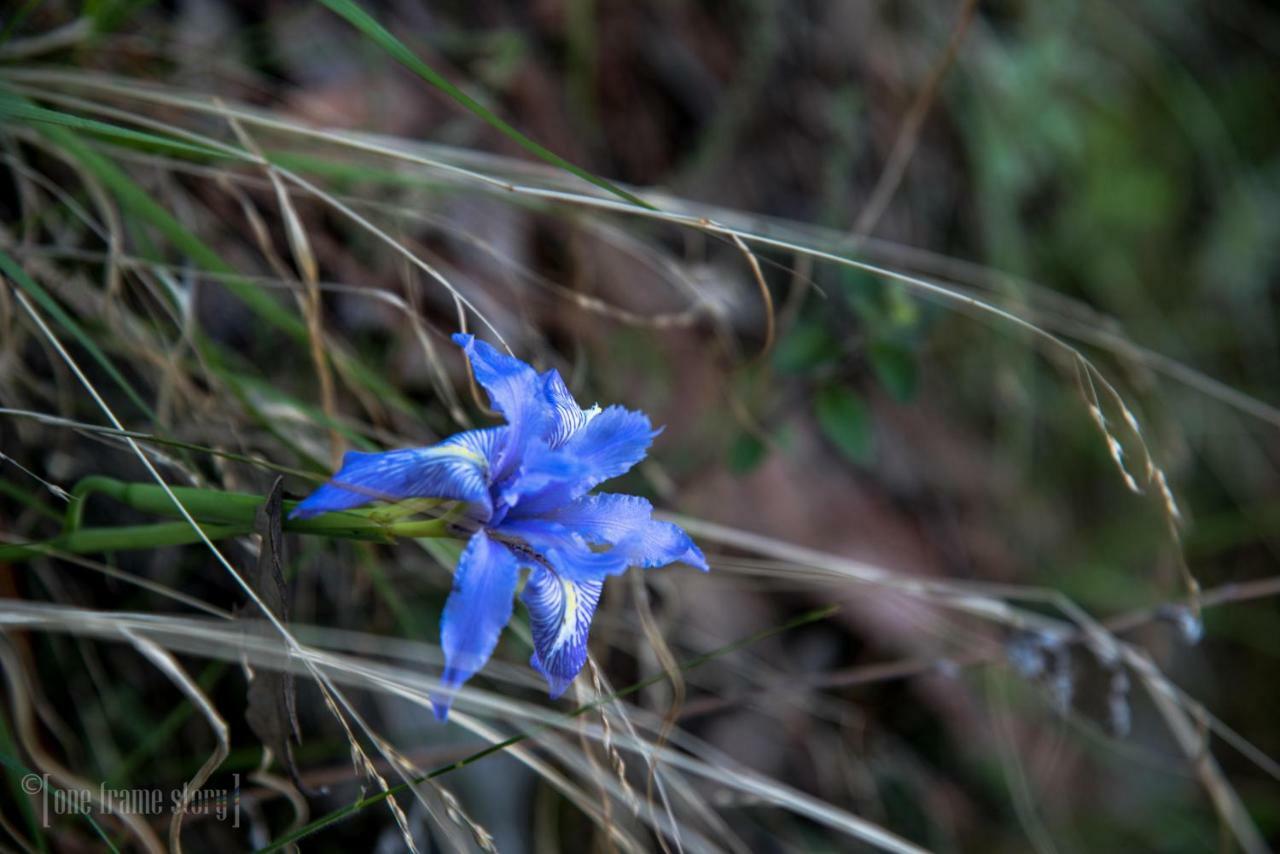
[(200, 638), (170, 667), (248, 157), (673, 209), (904, 145), (24, 723), (671, 669), (309, 273), (743, 238), (969, 598), (1102, 399), (1225, 799), (1015, 775), (332, 696)]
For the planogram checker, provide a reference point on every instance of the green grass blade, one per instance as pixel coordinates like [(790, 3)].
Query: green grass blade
[(17, 773), (11, 269), (14, 108), (140, 204), (14, 767)]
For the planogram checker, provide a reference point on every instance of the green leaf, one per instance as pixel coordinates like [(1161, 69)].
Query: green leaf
[(23, 111), (746, 452), (861, 291), (895, 367), (367, 24), (902, 310), (846, 421), (110, 15), (883, 304), (806, 347)]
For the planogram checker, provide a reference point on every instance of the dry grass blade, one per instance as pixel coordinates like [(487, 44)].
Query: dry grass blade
[(168, 665), (218, 285), (309, 271), (1190, 738), (20, 695), (981, 601), (196, 637), (328, 691)]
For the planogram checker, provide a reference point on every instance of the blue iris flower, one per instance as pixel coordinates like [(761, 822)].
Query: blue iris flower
[(526, 489)]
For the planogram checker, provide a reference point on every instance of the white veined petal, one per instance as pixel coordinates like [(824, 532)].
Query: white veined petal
[(560, 613)]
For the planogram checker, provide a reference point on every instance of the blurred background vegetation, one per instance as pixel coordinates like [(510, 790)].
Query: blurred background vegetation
[(250, 225)]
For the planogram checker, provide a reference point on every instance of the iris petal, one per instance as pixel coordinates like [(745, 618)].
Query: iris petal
[(565, 549), (605, 518), (455, 469), (560, 613), (516, 391), (478, 608), (658, 544), (567, 417), (608, 445), (622, 521)]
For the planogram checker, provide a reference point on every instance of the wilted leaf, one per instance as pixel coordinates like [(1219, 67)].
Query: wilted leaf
[(272, 712)]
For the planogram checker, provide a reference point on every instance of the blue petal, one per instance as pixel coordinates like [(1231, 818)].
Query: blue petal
[(456, 469), (566, 550), (608, 445), (658, 544), (516, 391), (560, 614), (477, 610), (625, 522), (604, 518), (567, 417)]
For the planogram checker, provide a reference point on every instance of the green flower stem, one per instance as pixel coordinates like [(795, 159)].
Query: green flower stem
[(122, 538), (219, 514)]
